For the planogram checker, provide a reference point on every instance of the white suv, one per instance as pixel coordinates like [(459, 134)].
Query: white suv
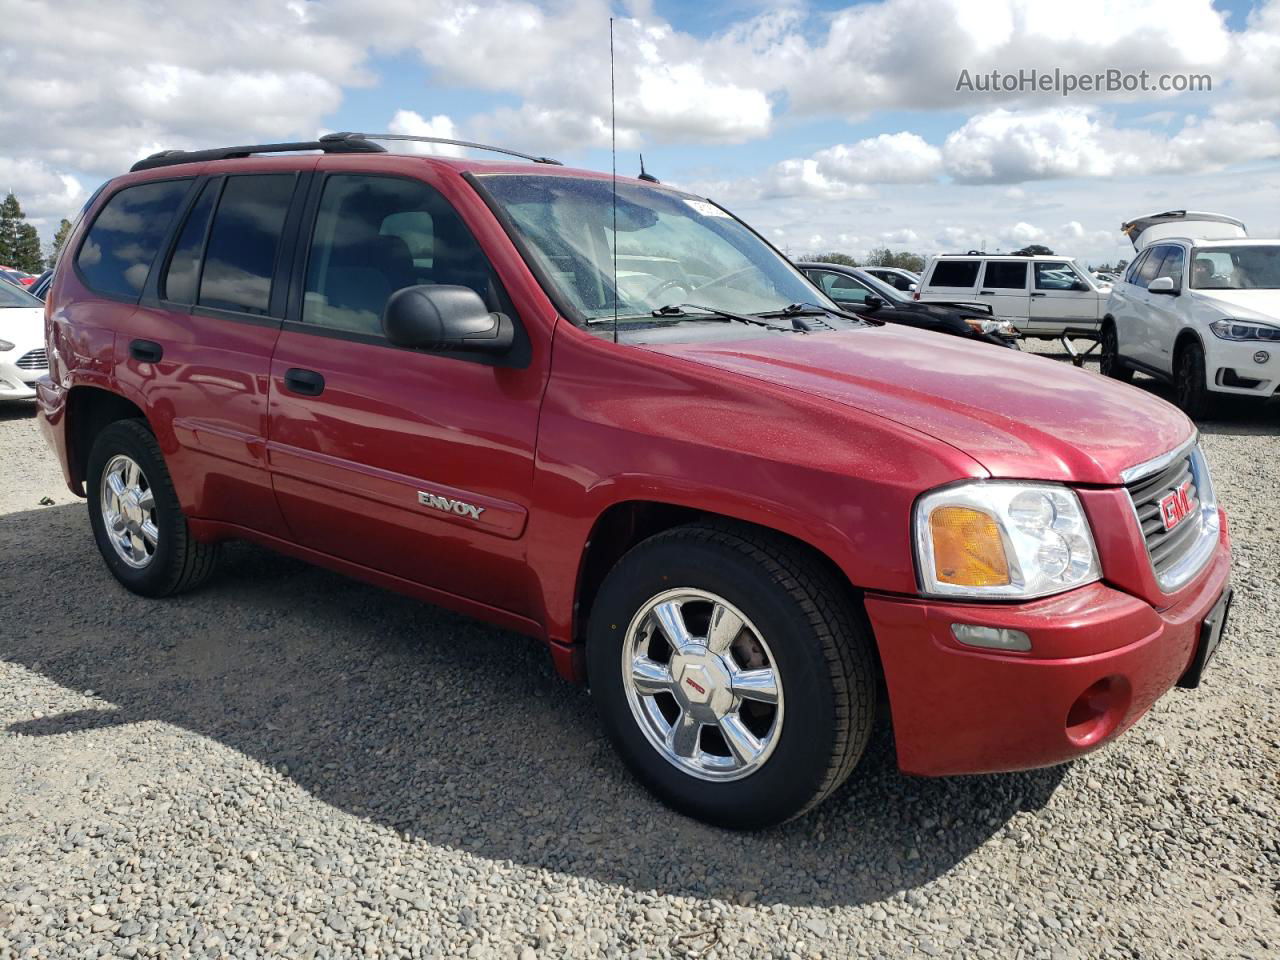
[(1041, 296), (1203, 315)]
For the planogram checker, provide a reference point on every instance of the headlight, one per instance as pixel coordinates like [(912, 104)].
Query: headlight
[(1002, 328), (1239, 330), (1003, 540), (5, 346)]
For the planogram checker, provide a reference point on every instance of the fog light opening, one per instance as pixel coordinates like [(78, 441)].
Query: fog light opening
[(1098, 711)]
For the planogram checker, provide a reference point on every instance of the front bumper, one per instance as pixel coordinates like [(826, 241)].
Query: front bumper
[(1099, 659), (1231, 366), (18, 383)]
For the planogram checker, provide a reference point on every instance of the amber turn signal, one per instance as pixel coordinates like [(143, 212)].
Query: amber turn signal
[(967, 548)]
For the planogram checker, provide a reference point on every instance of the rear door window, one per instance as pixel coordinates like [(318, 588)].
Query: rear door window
[(1005, 275), (955, 273), (119, 249), (240, 257)]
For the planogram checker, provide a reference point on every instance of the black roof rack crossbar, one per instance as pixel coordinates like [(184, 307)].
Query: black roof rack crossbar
[(166, 158), (358, 137)]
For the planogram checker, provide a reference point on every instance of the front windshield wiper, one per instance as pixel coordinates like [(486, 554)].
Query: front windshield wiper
[(680, 311), (813, 310)]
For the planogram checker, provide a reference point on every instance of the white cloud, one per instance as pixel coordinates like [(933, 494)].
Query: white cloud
[(411, 124), (1004, 146)]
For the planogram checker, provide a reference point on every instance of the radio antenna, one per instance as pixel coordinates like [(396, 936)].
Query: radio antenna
[(613, 148)]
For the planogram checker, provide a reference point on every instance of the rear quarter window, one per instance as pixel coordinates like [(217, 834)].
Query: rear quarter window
[(955, 273), (120, 248)]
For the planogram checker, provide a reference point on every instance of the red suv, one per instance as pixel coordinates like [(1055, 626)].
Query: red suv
[(612, 416)]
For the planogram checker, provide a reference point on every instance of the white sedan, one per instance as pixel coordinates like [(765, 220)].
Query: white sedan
[(22, 356)]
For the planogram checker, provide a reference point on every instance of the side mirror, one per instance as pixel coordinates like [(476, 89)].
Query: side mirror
[(873, 302), (1162, 285), (1080, 285), (445, 319), (911, 286)]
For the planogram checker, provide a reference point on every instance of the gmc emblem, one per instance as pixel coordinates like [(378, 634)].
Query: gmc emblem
[(1175, 506), (697, 686)]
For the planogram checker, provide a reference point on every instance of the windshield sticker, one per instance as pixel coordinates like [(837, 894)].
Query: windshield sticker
[(705, 208)]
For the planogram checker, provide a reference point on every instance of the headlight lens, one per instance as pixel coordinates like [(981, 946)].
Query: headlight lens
[(1239, 330), (5, 346), (1001, 327), (1011, 540)]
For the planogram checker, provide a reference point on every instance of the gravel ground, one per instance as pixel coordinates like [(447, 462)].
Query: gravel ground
[(289, 763)]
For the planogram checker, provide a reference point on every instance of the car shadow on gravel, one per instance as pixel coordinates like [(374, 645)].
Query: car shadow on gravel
[(17, 409), (451, 732)]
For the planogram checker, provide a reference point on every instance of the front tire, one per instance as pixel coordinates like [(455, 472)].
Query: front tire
[(1110, 364), (136, 518), (1190, 387), (732, 674)]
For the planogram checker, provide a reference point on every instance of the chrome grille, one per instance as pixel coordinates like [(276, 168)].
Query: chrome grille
[(32, 360), (1177, 554)]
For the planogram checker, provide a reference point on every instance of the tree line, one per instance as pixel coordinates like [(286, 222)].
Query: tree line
[(879, 257), (20, 243)]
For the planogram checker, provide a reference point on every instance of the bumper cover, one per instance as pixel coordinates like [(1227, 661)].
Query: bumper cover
[(959, 709)]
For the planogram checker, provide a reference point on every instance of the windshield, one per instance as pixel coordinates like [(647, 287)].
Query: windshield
[(1236, 268), (14, 296), (672, 248)]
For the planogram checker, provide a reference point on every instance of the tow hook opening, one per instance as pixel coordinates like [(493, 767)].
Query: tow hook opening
[(1098, 711)]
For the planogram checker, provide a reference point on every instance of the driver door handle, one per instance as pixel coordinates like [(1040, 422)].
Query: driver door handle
[(307, 383)]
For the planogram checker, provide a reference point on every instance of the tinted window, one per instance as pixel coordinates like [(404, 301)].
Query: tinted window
[(1131, 274), (955, 273), (118, 251), (1171, 266), (1005, 275), (375, 235), (1148, 270), (179, 282), (1055, 276), (241, 255)]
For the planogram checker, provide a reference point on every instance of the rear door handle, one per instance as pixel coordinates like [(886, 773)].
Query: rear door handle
[(986, 293), (146, 351), (1037, 294), (308, 383)]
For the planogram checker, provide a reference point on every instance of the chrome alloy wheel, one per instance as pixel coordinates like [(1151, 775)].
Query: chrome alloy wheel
[(129, 511), (702, 684)]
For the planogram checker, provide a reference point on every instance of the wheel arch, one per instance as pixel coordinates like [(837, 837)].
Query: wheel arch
[(624, 524), (89, 410)]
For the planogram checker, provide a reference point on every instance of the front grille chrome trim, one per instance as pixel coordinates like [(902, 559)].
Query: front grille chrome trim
[(1156, 464), (1178, 555)]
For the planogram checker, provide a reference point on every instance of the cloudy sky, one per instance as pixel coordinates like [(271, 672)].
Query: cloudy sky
[(826, 125)]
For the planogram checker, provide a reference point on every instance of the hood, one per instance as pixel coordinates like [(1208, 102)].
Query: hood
[(22, 326), (1261, 305), (1019, 415)]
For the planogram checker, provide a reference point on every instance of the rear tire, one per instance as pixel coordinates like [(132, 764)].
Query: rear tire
[(796, 623), (1190, 386), (136, 518), (1111, 364)]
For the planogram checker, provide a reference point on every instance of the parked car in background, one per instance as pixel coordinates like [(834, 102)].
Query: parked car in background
[(895, 277), (22, 349), (1040, 296), (18, 278), (857, 290), (742, 516), (40, 287), (1201, 314)]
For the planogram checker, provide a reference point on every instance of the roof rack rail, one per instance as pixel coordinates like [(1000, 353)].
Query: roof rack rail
[(359, 137), (329, 144)]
